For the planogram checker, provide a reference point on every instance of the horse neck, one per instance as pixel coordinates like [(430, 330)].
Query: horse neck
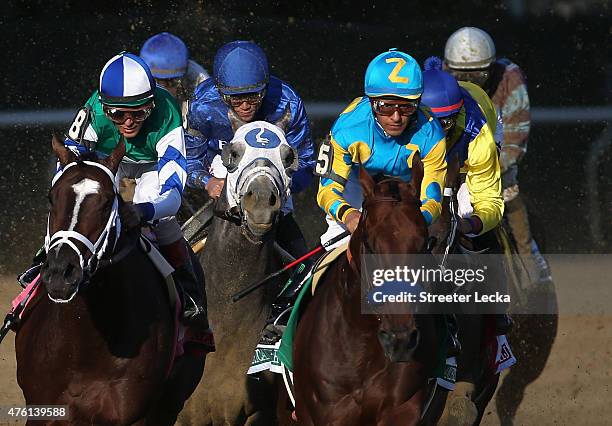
[(231, 262)]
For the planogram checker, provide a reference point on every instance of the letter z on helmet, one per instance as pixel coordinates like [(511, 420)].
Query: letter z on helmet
[(469, 48), (394, 73), (166, 55), (126, 80), (240, 67)]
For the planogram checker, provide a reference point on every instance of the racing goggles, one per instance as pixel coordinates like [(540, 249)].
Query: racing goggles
[(449, 122), (169, 83), (120, 116), (478, 77), (250, 98), (388, 107)]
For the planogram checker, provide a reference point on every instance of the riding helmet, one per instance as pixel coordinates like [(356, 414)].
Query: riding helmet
[(166, 55), (441, 91), (394, 73), (126, 80), (240, 67), (469, 48)]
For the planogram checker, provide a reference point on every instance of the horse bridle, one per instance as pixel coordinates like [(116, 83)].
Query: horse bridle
[(100, 246), (251, 171)]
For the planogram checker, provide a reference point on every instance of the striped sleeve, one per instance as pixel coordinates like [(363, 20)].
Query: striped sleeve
[(172, 171), (434, 173)]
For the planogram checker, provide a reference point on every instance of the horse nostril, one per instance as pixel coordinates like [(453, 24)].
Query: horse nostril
[(386, 337), (414, 339), (68, 271), (272, 199)]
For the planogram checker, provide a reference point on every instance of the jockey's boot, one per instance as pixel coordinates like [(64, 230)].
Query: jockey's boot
[(281, 308), (194, 313), (503, 324), (26, 277), (454, 345), (541, 264), (537, 266)]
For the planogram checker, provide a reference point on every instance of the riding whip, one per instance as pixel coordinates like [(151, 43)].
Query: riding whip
[(236, 297)]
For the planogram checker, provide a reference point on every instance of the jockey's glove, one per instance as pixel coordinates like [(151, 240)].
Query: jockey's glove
[(145, 211)]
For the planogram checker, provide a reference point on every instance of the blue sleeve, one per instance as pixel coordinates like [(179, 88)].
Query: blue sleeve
[(198, 162), (200, 149), (298, 136)]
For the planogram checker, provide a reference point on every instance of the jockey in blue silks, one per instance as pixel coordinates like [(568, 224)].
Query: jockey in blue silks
[(168, 58), (241, 91)]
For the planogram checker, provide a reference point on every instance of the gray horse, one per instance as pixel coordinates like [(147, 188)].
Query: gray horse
[(240, 250)]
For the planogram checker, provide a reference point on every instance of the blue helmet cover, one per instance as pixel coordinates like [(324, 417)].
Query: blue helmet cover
[(441, 91), (240, 67), (166, 55)]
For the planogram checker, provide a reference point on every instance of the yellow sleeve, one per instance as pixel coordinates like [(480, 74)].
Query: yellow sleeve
[(331, 188), (434, 174), (483, 180)]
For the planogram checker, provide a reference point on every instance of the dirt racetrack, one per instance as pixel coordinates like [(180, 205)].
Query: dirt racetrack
[(575, 387)]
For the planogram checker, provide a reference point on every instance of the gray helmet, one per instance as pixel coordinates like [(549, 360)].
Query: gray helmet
[(469, 48)]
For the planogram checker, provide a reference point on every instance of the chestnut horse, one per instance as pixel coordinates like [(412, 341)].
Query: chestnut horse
[(352, 368), (98, 336)]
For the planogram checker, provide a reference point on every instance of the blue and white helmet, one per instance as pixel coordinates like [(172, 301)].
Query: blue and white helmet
[(240, 67), (166, 55), (126, 80)]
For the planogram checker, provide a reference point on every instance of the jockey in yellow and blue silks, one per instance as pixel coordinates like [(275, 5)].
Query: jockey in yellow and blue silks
[(381, 132), (470, 122)]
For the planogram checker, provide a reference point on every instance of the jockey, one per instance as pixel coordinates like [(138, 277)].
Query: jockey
[(128, 104), (242, 91), (469, 55), (381, 132), (168, 58), (470, 122)]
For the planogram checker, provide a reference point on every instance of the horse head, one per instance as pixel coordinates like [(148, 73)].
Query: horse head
[(392, 224), (83, 219), (260, 163)]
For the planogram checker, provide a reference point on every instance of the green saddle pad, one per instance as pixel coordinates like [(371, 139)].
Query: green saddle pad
[(285, 351)]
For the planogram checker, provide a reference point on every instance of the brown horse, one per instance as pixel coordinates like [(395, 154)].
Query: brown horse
[(357, 369), (98, 336)]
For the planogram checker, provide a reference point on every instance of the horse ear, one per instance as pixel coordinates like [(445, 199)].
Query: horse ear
[(113, 160), (231, 154), (417, 173), (283, 122), (64, 155), (290, 159), (367, 183)]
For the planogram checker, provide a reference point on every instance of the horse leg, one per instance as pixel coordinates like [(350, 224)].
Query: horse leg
[(435, 407), (484, 396), (183, 380)]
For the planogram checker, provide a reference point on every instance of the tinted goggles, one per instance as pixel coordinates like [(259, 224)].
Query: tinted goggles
[(478, 77), (119, 116), (250, 98), (388, 107), (447, 123)]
